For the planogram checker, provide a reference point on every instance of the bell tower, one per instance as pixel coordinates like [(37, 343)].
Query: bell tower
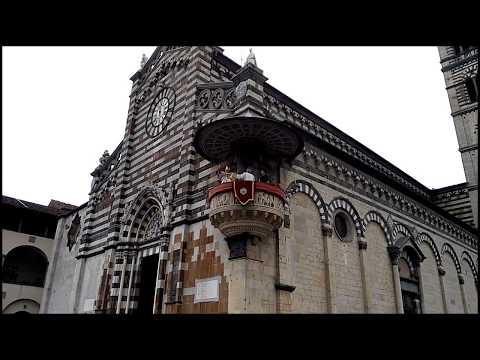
[(460, 69)]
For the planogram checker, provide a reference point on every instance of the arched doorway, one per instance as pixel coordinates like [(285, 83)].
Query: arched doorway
[(25, 265), (22, 306)]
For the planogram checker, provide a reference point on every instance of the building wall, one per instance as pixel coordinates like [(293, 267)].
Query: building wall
[(452, 287), (60, 292), (432, 293), (245, 285), (306, 244), (204, 257), (349, 289), (27, 295), (471, 292), (15, 293), (13, 239), (379, 271), (24, 303), (89, 283)]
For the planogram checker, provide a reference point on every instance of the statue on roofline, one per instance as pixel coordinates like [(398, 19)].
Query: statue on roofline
[(251, 59)]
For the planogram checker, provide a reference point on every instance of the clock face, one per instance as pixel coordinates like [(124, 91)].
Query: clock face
[(160, 112)]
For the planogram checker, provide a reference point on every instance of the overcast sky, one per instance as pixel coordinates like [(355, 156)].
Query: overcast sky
[(63, 106)]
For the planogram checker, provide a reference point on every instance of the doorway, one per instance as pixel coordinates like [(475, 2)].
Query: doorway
[(148, 274)]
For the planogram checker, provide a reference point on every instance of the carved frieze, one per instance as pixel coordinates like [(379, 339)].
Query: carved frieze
[(216, 97), (259, 218)]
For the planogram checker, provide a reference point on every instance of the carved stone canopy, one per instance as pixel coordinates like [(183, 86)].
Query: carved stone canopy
[(220, 139), (404, 241)]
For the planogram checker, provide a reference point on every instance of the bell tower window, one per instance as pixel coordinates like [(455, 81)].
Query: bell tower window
[(471, 85), (459, 49)]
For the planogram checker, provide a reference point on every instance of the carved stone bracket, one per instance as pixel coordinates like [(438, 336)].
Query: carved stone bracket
[(216, 97)]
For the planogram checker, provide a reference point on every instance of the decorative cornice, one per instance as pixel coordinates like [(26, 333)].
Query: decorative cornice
[(468, 148), (473, 107), (342, 173), (320, 132), (458, 60)]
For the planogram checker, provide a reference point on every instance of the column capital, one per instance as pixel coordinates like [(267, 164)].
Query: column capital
[(461, 279), (362, 244), (327, 230), (394, 252), (441, 271)]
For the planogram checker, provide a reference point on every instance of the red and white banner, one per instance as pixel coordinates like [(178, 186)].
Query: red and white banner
[(244, 191)]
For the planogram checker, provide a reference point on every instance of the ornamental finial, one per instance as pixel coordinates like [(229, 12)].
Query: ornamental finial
[(143, 61), (251, 59)]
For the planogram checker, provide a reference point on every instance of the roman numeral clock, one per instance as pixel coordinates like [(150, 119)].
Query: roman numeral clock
[(160, 112)]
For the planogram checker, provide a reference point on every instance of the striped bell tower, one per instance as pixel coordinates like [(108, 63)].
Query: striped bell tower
[(460, 69)]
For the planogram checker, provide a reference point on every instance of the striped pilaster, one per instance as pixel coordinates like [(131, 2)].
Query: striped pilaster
[(161, 274)]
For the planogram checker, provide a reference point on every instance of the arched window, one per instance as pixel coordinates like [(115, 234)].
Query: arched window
[(408, 266), (25, 265), (459, 49), (471, 84)]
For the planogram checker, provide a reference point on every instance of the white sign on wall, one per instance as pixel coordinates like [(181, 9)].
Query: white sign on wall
[(89, 305), (206, 290)]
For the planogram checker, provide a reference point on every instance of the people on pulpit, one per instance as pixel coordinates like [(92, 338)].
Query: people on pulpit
[(227, 175), (246, 175), (264, 177)]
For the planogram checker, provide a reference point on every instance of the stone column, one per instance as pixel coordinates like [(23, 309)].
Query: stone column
[(162, 268), (362, 246), (77, 284), (51, 267), (461, 280), (237, 287), (252, 280), (120, 289), (330, 268), (285, 283), (394, 252), (420, 288), (130, 280), (441, 272)]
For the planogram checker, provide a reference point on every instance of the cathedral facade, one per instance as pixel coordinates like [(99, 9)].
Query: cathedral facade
[(227, 196)]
